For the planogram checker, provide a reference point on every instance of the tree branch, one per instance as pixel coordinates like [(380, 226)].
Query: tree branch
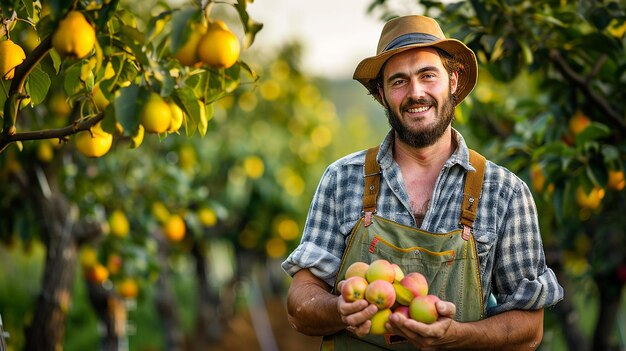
[(60, 133), (596, 68), (16, 91), (584, 85)]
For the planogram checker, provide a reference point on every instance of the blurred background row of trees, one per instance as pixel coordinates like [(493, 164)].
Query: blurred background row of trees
[(164, 243)]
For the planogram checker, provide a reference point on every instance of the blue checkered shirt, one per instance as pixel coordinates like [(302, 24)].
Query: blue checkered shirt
[(506, 230)]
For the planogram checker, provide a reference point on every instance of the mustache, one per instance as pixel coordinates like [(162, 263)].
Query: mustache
[(422, 101)]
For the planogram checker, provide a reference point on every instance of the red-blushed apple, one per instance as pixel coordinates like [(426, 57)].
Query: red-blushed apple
[(357, 269), (403, 310), (399, 273), (380, 270), (353, 288), (416, 282), (423, 309), (378, 322), (380, 293)]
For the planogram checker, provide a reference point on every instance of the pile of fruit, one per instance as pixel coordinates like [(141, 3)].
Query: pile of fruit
[(385, 285)]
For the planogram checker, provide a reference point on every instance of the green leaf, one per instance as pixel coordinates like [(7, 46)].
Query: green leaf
[(213, 84), (134, 39), (610, 153), (594, 131), (168, 83), (106, 13), (250, 27), (108, 123), (498, 50), (232, 78), (56, 60), (203, 120), (526, 52), (72, 83), (38, 84), (188, 101), (180, 32), (596, 172), (127, 108), (154, 28), (552, 148), (246, 68), (4, 90)]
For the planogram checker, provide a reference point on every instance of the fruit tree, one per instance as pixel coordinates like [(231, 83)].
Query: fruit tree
[(82, 78)]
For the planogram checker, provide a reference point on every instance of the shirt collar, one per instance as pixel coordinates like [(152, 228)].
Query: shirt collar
[(460, 156)]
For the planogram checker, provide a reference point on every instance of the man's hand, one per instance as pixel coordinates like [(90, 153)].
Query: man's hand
[(356, 315), (424, 335)]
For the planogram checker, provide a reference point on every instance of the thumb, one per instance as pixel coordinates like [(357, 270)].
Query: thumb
[(446, 309), (339, 285)]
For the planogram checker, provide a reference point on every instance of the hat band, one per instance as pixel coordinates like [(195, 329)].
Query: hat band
[(410, 39)]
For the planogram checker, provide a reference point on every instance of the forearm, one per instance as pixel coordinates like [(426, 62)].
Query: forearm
[(311, 307), (512, 330)]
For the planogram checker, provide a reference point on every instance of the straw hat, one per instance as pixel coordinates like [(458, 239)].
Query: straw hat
[(409, 32)]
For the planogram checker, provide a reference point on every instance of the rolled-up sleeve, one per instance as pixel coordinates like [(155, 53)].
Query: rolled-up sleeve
[(322, 243), (521, 278)]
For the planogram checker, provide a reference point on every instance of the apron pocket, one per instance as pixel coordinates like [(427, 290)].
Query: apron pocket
[(434, 265)]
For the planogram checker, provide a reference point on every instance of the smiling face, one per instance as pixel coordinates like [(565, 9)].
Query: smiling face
[(417, 92)]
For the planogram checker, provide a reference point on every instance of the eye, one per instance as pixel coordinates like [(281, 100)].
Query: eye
[(397, 82)]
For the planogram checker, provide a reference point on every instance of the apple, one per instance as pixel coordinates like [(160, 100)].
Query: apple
[(353, 288), (378, 322), (357, 269), (380, 293), (380, 270), (416, 282), (423, 309), (399, 273), (403, 310)]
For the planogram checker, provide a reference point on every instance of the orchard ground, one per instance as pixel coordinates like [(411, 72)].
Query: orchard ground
[(242, 333)]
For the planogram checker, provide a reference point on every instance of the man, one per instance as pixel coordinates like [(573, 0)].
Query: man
[(421, 200)]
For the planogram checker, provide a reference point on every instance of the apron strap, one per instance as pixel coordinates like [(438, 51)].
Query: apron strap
[(372, 184), (471, 192)]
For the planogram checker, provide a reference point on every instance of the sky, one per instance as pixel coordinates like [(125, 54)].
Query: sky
[(337, 34)]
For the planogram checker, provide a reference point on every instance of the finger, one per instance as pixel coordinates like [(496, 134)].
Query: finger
[(446, 309), (399, 324), (361, 316), (339, 285), (346, 308), (364, 328)]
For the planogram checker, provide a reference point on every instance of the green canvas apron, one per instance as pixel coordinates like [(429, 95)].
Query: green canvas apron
[(448, 261)]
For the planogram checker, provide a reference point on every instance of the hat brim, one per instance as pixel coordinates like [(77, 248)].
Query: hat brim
[(369, 68)]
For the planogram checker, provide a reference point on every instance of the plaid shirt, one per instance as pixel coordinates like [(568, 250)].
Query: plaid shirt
[(506, 231)]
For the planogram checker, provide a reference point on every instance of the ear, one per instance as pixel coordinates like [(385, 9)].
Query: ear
[(454, 82)]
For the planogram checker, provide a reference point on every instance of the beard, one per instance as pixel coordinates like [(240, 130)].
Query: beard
[(428, 135)]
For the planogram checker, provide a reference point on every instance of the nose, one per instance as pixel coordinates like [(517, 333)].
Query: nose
[(415, 89)]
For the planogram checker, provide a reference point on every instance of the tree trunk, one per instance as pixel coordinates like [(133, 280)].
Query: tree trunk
[(208, 326), (166, 302), (62, 234), (112, 314), (610, 293), (565, 310), (3, 344), (48, 325)]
